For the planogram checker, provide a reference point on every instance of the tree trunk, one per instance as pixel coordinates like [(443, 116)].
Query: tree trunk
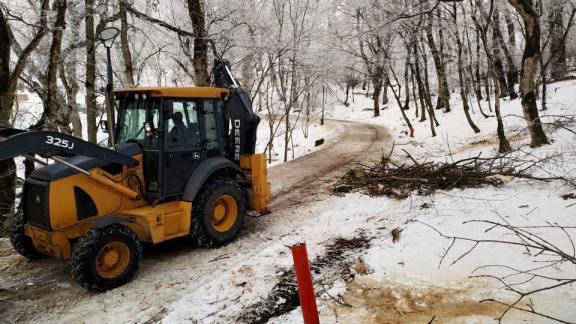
[(461, 72), (407, 83), (558, 43), (477, 70), (196, 11), (90, 82), (347, 94), (8, 82), (421, 91), (7, 85), (427, 92), (50, 119), (398, 95), (443, 90), (72, 90), (291, 102), (473, 79), (323, 105), (414, 86), (68, 69), (512, 72), (503, 144), (511, 31), (385, 85), (497, 61), (7, 193), (125, 46), (529, 66), (377, 83)]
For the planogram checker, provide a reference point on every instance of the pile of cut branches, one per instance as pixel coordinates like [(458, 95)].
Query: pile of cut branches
[(399, 179)]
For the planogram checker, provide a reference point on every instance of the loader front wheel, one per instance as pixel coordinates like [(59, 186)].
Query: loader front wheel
[(219, 211), (105, 258), (20, 242)]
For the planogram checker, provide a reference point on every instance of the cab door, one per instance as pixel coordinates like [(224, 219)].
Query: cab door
[(214, 134), (184, 145)]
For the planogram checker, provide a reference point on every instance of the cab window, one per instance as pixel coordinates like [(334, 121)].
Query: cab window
[(183, 126), (211, 122), (138, 121)]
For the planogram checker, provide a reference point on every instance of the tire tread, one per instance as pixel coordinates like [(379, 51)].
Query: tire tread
[(199, 233), (20, 241), (86, 250)]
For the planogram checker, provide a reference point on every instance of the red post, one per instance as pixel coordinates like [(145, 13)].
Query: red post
[(305, 287)]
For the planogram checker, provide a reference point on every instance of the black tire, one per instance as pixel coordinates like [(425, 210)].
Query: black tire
[(203, 232), (22, 243), (83, 264)]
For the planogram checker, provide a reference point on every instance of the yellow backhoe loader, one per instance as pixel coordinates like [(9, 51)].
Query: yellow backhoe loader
[(183, 165)]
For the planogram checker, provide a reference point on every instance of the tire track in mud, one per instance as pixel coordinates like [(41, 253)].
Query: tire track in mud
[(44, 291)]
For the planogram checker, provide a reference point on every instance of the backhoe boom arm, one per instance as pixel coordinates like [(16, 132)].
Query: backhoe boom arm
[(244, 121), (15, 142)]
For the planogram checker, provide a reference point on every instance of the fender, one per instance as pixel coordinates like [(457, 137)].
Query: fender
[(136, 224), (204, 171), (102, 222)]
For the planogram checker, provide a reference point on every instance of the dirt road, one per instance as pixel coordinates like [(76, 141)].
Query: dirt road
[(43, 291)]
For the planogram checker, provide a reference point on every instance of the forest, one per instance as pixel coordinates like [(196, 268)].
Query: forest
[(412, 98), (291, 55)]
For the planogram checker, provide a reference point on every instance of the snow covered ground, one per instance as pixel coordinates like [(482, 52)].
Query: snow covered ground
[(408, 281), (379, 281)]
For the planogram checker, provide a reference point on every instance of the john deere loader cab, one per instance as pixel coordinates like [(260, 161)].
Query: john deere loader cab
[(177, 129), (184, 165)]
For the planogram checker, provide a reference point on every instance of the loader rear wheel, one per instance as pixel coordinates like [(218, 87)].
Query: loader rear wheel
[(20, 241), (219, 211), (105, 258)]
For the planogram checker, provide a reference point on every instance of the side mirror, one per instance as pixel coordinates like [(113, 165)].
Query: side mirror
[(104, 126)]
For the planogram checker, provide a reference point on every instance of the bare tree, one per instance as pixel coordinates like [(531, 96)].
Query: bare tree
[(69, 67), (90, 79), (200, 58), (461, 71), (530, 58), (53, 107), (125, 46), (483, 27), (8, 82), (512, 73), (443, 90), (373, 47)]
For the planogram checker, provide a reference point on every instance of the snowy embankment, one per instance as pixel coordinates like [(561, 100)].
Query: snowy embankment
[(300, 145), (409, 281)]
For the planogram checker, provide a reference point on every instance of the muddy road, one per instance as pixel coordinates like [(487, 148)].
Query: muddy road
[(43, 291)]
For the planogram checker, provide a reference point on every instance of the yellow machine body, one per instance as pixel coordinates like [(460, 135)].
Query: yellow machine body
[(151, 223)]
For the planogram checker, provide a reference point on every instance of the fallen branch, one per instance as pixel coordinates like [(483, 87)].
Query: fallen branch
[(387, 178)]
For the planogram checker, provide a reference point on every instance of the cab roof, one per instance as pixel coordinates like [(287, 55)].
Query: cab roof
[(177, 92)]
